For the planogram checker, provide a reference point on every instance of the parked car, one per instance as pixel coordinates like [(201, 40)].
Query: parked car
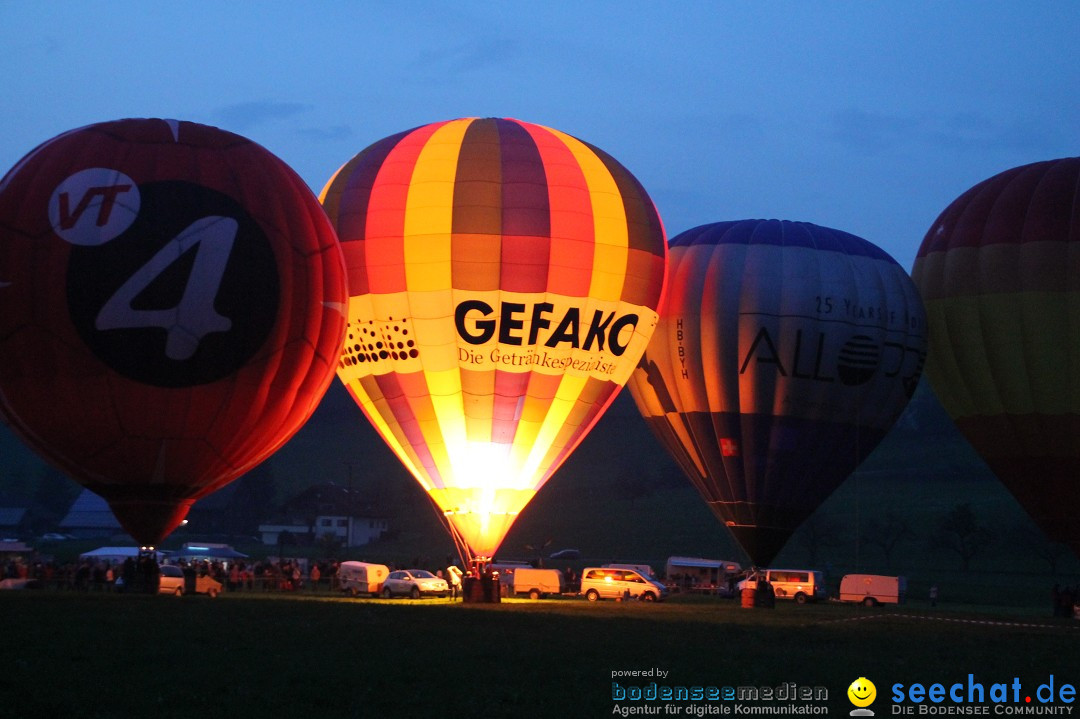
[(174, 582), (605, 583), (802, 585), (566, 554), (413, 583)]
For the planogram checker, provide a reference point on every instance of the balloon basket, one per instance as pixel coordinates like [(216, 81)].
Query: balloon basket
[(755, 595), (481, 590)]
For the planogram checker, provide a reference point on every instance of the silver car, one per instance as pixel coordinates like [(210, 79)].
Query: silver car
[(413, 583), (172, 581)]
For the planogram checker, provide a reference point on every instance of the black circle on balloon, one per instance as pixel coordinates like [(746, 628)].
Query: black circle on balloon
[(185, 296), (858, 361)]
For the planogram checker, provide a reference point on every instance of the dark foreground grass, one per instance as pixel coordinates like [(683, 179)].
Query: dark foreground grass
[(86, 655)]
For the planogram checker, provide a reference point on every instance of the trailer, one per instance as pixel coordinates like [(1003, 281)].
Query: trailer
[(362, 578), (873, 589), (697, 574), (643, 569), (537, 583)]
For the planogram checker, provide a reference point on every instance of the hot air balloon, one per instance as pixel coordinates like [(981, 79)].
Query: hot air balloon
[(172, 305), (503, 282), (999, 271), (783, 355)]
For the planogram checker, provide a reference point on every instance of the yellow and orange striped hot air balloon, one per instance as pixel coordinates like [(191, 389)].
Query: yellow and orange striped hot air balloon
[(504, 279), (999, 271)]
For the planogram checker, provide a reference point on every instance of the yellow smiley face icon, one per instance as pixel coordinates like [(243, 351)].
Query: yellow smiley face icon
[(862, 692)]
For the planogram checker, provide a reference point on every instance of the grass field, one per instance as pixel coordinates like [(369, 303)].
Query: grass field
[(272, 655), (74, 655)]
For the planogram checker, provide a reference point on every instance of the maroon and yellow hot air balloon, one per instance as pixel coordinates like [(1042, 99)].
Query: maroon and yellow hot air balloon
[(503, 281), (172, 305), (999, 272)]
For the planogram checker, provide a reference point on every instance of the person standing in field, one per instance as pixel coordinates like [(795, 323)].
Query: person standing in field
[(453, 578)]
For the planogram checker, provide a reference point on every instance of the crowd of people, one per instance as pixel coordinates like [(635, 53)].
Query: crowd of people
[(85, 575), (136, 574), (287, 575)]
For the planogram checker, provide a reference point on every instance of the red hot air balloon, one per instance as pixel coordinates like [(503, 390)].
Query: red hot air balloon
[(171, 310), (784, 354), (504, 279), (999, 271)]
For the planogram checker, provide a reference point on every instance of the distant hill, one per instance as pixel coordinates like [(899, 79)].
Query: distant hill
[(619, 496), (338, 445), (620, 454)]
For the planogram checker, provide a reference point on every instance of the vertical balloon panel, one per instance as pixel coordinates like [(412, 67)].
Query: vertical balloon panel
[(504, 279), (999, 271), (783, 356)]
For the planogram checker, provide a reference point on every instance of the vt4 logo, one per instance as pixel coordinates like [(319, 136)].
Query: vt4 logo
[(93, 206)]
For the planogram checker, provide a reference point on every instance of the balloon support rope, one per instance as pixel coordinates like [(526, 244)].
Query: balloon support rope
[(460, 545)]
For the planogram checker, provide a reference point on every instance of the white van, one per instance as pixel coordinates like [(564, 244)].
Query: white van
[(802, 585), (873, 589), (362, 578), (537, 583), (609, 583)]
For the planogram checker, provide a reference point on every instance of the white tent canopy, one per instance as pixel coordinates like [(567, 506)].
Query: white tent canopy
[(115, 554)]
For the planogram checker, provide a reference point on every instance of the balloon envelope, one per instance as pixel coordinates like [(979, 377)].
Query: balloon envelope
[(999, 271), (784, 353), (503, 280), (171, 310)]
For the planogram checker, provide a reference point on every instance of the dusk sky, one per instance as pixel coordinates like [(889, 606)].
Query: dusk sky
[(866, 117)]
